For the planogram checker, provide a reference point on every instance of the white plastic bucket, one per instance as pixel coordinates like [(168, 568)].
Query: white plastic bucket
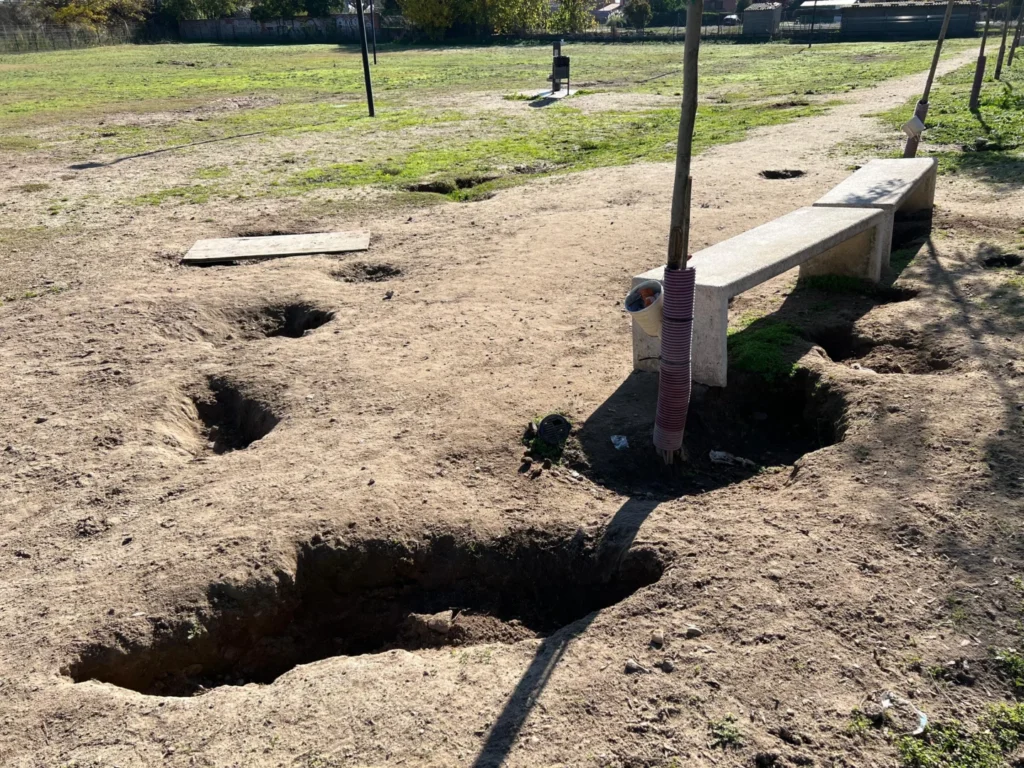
[(648, 318)]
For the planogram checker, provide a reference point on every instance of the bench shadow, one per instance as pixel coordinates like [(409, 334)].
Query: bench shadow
[(771, 413)]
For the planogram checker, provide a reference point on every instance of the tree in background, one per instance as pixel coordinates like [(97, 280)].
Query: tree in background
[(432, 16), (97, 13), (510, 16), (638, 13), (265, 10), (742, 5), (179, 10), (572, 16)]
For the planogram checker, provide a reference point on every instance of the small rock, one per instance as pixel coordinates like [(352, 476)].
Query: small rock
[(388, 295), (667, 665), (692, 631), (657, 638), (440, 622), (371, 481), (547, 464), (634, 667), (41, 420)]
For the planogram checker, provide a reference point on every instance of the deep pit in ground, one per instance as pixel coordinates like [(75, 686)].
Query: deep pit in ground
[(371, 596), (763, 422), (899, 354), (230, 419), (288, 320), (448, 186)]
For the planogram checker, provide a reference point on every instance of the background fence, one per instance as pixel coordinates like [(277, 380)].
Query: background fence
[(45, 37)]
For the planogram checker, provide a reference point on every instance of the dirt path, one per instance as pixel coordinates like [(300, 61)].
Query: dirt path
[(209, 476)]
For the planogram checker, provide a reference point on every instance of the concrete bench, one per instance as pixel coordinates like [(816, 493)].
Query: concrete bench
[(902, 186), (843, 241)]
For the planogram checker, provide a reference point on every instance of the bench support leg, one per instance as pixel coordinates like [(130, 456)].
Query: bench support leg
[(860, 256), (709, 351), (646, 350), (922, 198)]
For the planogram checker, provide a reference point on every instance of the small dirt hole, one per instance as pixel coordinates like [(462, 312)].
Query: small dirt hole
[(262, 232), (997, 260), (785, 173), (372, 596), (231, 420), (289, 320), (360, 272), (438, 186)]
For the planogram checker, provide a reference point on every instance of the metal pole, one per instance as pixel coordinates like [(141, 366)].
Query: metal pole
[(679, 227), (814, 18), (979, 69), (1016, 35), (910, 150), (1002, 45), (373, 28), (366, 58)]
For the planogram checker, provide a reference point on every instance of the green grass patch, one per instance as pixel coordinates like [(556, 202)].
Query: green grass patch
[(195, 194), (35, 186), (725, 734), (213, 172), (1010, 664), (953, 745), (762, 347)]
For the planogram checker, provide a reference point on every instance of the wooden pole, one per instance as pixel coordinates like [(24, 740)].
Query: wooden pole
[(366, 58), (1016, 35), (1002, 45), (921, 112), (373, 28), (814, 18), (979, 69), (679, 224)]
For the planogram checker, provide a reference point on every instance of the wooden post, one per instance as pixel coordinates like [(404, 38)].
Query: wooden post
[(1002, 45), (373, 28), (366, 58), (679, 224), (1016, 35), (910, 150), (979, 69)]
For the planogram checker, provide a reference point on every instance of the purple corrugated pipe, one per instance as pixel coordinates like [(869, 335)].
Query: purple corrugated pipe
[(674, 378)]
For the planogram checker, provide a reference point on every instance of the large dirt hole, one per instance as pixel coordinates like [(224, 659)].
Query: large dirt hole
[(758, 422), (231, 420), (448, 186), (903, 354), (371, 596), (289, 320)]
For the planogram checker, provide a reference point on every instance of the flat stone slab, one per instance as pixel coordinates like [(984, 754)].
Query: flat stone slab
[(241, 248), (881, 183), (739, 263)]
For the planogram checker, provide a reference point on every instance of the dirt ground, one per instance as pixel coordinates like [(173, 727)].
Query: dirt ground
[(237, 502)]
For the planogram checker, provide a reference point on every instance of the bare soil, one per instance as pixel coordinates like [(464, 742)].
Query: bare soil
[(277, 513)]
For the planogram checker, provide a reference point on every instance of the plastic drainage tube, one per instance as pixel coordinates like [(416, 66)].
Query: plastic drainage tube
[(674, 377)]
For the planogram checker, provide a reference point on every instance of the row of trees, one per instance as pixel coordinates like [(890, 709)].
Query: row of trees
[(434, 17)]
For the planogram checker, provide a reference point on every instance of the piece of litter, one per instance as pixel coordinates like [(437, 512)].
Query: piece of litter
[(621, 442), (723, 457), (890, 700)]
